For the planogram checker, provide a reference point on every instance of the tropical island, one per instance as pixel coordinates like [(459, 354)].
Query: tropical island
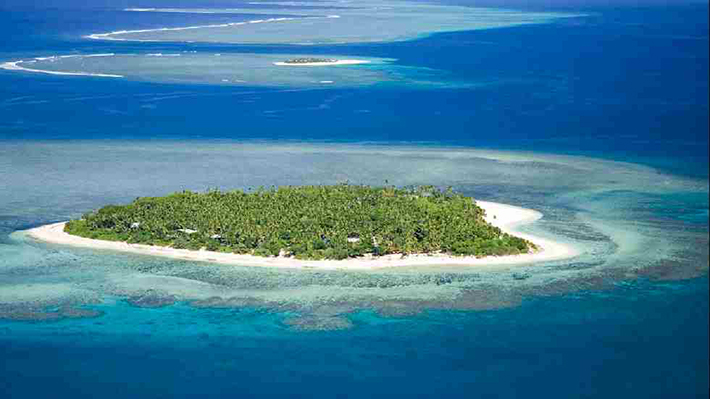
[(306, 222), (310, 61)]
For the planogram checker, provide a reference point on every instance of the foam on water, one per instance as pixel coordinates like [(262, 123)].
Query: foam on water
[(122, 33), (355, 22), (603, 208), (16, 66)]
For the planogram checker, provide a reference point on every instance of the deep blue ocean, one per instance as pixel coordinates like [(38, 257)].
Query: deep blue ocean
[(623, 84)]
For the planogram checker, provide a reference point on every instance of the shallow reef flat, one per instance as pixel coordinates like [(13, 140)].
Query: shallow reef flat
[(344, 22), (631, 223), (235, 69), (209, 68)]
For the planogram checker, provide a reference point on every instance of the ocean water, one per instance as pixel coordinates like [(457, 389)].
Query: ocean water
[(596, 117)]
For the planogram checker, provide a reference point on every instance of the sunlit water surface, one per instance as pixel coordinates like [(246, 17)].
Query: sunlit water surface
[(626, 318)]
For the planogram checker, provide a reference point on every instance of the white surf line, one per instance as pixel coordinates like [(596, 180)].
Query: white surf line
[(110, 35), (15, 66), (99, 55), (187, 10), (216, 10), (16, 99)]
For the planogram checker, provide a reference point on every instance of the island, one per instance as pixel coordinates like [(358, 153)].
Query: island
[(311, 61), (308, 60), (336, 226)]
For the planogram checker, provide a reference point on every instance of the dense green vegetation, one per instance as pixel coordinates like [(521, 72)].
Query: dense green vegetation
[(307, 222), (309, 60)]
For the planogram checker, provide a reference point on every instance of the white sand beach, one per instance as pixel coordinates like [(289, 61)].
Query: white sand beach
[(338, 62), (506, 217)]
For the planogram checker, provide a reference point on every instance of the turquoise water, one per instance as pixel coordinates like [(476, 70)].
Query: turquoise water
[(584, 345), (598, 121)]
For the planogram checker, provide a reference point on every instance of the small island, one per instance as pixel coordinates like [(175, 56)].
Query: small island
[(306, 223), (308, 60), (312, 61)]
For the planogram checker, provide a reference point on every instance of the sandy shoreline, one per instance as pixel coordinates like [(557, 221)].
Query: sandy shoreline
[(338, 62), (506, 217)]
